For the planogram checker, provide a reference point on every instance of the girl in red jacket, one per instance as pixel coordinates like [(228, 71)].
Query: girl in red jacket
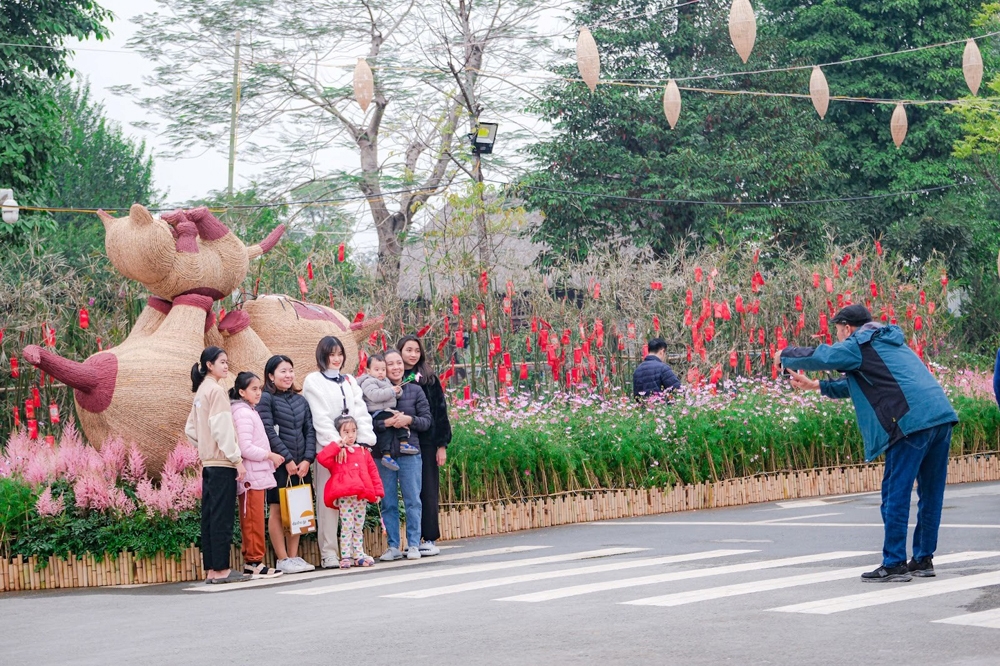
[(354, 482)]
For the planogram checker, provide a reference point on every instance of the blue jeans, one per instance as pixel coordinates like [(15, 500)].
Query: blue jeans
[(406, 479), (922, 456)]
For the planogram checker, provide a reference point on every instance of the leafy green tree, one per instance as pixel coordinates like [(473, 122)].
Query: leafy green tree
[(101, 167), (33, 59)]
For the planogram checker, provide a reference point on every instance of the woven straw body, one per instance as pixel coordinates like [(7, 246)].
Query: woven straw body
[(898, 125), (819, 91), (364, 84), (972, 66), (294, 328), (588, 60), (742, 27), (672, 103)]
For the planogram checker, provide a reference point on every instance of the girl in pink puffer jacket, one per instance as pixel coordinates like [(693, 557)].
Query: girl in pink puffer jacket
[(260, 463)]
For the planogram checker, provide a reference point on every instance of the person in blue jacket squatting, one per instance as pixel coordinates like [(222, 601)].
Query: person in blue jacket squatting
[(903, 412)]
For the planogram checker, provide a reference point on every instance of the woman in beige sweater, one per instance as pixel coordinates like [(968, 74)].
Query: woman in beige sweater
[(210, 429)]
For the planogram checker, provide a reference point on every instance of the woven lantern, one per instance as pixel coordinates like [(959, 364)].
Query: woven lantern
[(588, 60), (742, 27), (364, 84), (819, 91), (972, 66), (898, 125), (672, 103)]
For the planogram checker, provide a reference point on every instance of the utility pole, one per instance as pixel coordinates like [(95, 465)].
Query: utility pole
[(232, 119)]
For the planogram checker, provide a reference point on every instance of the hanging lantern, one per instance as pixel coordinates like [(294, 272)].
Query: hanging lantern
[(364, 84), (672, 103), (972, 66), (588, 60), (742, 27), (898, 125), (819, 91)]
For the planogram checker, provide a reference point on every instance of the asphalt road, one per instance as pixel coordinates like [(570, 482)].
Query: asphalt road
[(765, 584)]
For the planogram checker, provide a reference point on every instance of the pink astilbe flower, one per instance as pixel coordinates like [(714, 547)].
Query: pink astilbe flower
[(92, 492), (120, 502), (175, 494), (113, 454), (135, 465), (41, 468), (193, 488), (76, 459), (20, 451), (46, 505), (183, 457)]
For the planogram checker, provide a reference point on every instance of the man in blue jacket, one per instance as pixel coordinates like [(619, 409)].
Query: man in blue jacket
[(653, 376), (903, 412)]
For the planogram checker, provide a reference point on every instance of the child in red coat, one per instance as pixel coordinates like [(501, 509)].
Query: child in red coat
[(354, 482)]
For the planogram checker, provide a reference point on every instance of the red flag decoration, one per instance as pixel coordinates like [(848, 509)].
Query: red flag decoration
[(441, 344), (687, 317), (656, 323), (527, 343), (798, 303), (474, 321), (506, 360), (923, 297), (815, 280), (656, 286), (534, 324), (709, 330), (455, 307), (565, 336), (17, 417), (597, 290), (50, 335), (362, 360), (423, 331), (697, 274), (302, 286), (340, 253), (716, 374), (309, 269), (502, 377), (828, 283), (99, 346), (36, 397), (467, 393), (359, 317), (84, 319), (944, 280), (756, 282), (689, 353), (846, 260), (878, 248), (506, 305), (756, 255), (15, 371), (32, 429), (733, 359), (29, 409), (824, 327), (874, 289), (459, 339), (918, 323), (54, 412), (484, 282), (931, 307), (524, 370), (760, 336), (739, 304), (747, 365), (836, 270), (543, 338), (631, 331), (688, 298)]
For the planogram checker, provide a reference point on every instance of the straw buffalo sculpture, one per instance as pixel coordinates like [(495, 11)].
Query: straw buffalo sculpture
[(140, 391)]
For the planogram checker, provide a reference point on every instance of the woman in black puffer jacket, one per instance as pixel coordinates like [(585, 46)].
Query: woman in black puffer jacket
[(288, 424)]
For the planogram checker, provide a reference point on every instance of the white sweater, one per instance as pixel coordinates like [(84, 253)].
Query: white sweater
[(326, 402)]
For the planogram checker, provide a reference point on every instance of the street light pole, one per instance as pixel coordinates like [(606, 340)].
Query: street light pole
[(232, 118)]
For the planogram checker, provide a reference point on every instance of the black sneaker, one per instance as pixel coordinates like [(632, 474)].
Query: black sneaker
[(897, 574), (923, 567)]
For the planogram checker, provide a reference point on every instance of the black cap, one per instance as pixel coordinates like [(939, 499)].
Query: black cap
[(853, 315)]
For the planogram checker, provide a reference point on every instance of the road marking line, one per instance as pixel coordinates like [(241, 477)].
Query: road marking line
[(989, 619), (802, 504), (562, 592), (328, 573), (693, 596), (892, 593), (731, 523), (579, 571), (771, 521), (367, 582)]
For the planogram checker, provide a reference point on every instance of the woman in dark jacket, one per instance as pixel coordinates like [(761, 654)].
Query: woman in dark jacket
[(288, 424), (433, 444), (413, 413)]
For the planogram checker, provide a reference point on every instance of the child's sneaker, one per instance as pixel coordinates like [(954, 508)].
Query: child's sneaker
[(408, 449), (389, 463)]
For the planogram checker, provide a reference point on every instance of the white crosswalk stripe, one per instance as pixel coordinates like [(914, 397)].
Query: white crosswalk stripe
[(989, 619), (692, 596), (888, 595), (379, 581), (560, 593), (565, 573)]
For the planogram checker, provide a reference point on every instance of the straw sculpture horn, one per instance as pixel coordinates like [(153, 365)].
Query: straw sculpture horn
[(672, 103), (898, 125), (819, 91), (140, 390), (364, 84), (588, 60), (972, 66), (742, 27)]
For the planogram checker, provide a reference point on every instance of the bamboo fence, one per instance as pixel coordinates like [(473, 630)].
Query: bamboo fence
[(498, 517)]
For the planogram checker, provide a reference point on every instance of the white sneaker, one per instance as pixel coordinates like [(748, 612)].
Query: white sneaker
[(391, 555), (428, 549), (305, 565), (413, 553), (331, 562)]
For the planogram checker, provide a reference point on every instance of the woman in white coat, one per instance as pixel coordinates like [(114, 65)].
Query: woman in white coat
[(331, 394)]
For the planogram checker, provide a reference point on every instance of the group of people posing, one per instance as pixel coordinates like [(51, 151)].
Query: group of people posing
[(372, 437)]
